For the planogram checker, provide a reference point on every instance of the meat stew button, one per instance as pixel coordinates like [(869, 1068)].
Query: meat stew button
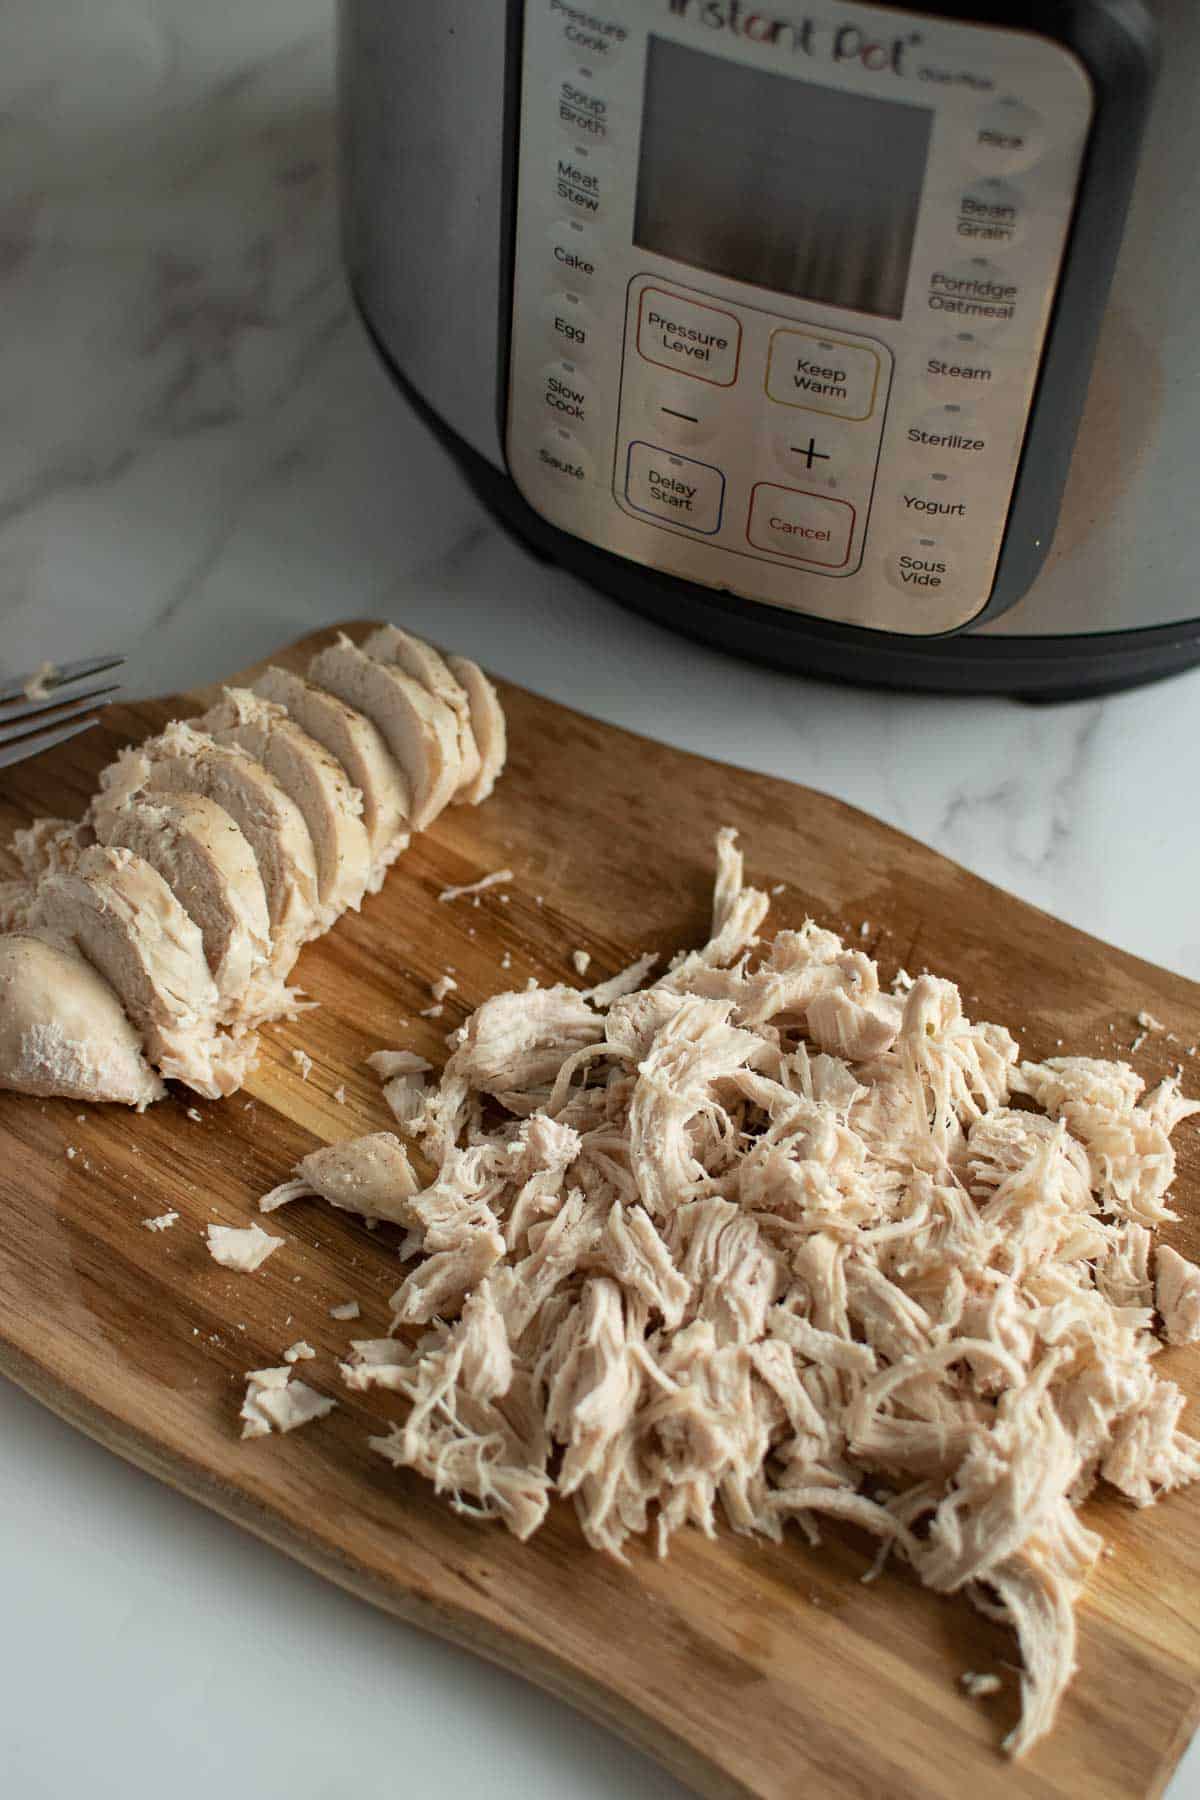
[(811, 528), (678, 488)]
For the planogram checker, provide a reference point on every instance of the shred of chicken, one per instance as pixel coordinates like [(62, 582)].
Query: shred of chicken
[(244, 1248), (275, 1401), (766, 1240)]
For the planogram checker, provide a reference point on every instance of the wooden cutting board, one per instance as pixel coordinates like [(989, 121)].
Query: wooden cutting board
[(745, 1668)]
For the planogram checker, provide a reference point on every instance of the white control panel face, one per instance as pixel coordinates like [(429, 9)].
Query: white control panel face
[(781, 288)]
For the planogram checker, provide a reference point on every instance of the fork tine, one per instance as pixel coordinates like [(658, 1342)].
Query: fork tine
[(41, 740), (63, 673), (17, 732), (33, 709)]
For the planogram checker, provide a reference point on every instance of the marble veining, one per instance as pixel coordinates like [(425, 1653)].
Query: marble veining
[(200, 457)]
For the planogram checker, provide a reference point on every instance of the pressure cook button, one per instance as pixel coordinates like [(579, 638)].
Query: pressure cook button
[(583, 112), (1008, 136), (821, 374), (560, 453), (918, 566), (573, 252), (678, 488), (578, 183), (690, 336), (810, 528), (950, 433), (991, 212), (565, 393), (587, 34), (570, 324)]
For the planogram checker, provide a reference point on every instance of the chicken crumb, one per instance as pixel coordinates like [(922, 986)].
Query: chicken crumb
[(1148, 1022), (195, 1115), (506, 961), (779, 888), (979, 1686), (339, 1093), (349, 1309), (433, 1012), (275, 1401), (163, 1222), (303, 1062), (244, 1248), (445, 984), (72, 1153), (41, 681), (299, 1352), (475, 888), (581, 961), (864, 929)]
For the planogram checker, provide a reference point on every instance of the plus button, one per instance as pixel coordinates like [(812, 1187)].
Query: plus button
[(810, 453)]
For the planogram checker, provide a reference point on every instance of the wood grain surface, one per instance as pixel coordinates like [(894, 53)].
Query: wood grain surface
[(748, 1669)]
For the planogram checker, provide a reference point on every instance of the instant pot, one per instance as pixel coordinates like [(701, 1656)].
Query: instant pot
[(855, 339)]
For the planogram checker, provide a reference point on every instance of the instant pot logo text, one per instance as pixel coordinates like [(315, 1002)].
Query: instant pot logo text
[(804, 37)]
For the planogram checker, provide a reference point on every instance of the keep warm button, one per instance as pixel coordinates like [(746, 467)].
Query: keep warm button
[(811, 528), (674, 487)]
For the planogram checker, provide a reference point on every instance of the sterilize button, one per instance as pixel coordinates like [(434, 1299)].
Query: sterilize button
[(811, 528), (948, 432), (1007, 136), (677, 488), (560, 453), (991, 212)]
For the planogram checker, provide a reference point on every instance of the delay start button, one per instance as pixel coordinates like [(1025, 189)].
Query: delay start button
[(673, 487), (811, 528)]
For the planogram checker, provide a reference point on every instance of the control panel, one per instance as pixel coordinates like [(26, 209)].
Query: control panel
[(781, 288)]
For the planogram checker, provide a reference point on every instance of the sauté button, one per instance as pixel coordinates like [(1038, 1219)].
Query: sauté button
[(561, 453), (821, 374), (688, 335), (1007, 136), (678, 488), (811, 528)]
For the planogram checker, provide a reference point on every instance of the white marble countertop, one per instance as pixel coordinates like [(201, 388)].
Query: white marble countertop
[(199, 459)]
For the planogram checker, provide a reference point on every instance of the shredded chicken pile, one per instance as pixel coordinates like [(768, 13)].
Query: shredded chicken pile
[(765, 1239)]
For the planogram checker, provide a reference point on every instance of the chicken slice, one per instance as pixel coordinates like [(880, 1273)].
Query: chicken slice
[(487, 726), (206, 860), (124, 918), (314, 780), (359, 746), (420, 731), (64, 1031), (389, 644)]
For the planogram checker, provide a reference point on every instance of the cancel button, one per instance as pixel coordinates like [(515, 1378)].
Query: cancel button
[(810, 528)]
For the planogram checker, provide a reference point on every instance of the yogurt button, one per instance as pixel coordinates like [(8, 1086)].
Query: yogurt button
[(934, 501)]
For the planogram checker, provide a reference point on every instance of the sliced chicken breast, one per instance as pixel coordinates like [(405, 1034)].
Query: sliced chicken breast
[(421, 732), (64, 1031), (359, 746), (207, 862), (389, 644), (487, 724), (315, 780), (125, 920), (182, 760)]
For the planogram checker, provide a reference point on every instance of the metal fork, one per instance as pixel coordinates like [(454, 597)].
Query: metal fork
[(22, 733)]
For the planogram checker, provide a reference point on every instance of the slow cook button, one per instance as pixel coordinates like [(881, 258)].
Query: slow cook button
[(565, 393), (810, 528), (1008, 136), (560, 453), (583, 112), (688, 335), (570, 324), (678, 488), (821, 374), (918, 568)]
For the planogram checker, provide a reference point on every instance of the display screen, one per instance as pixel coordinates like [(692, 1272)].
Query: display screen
[(782, 183)]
